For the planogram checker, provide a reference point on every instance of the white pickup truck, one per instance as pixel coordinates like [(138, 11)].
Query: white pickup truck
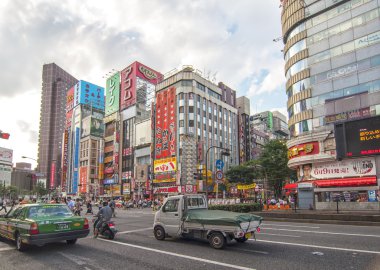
[(188, 216)]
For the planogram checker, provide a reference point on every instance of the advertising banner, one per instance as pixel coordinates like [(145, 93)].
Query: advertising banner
[(5, 174), (86, 125), (350, 115), (112, 94), (89, 94), (64, 159), (340, 169), (126, 175), (70, 99), (76, 160), (126, 188), (97, 127), (148, 74), (128, 87), (108, 181), (165, 124), (52, 175), (174, 189), (244, 187), (116, 190), (165, 165), (6, 155), (83, 179), (189, 189)]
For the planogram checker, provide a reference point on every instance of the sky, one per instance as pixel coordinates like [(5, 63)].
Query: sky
[(231, 40)]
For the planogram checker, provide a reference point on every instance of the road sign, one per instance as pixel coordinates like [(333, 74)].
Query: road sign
[(219, 164), (219, 175)]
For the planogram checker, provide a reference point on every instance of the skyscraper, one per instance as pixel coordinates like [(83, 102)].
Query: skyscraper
[(332, 69), (55, 83)]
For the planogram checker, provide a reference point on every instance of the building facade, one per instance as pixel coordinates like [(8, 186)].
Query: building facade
[(332, 70), (193, 118), (243, 106), (55, 84)]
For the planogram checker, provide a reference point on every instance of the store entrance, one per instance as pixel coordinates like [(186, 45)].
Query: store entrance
[(305, 199)]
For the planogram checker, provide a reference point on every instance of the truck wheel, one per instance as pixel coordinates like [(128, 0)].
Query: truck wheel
[(217, 240), (19, 244), (159, 233)]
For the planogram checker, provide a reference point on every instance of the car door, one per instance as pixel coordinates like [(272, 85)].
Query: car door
[(12, 222), (170, 216)]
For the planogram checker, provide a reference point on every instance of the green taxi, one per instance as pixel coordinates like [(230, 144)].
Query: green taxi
[(39, 224)]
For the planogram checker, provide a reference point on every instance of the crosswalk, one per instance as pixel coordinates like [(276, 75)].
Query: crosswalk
[(5, 246)]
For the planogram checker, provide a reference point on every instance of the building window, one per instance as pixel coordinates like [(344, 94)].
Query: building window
[(191, 123), (182, 109), (181, 123), (191, 109), (200, 86), (187, 83)]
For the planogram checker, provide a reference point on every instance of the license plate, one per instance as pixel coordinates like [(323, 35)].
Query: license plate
[(62, 226), (248, 235)]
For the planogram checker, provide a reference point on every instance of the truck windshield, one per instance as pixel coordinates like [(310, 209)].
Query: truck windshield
[(195, 202)]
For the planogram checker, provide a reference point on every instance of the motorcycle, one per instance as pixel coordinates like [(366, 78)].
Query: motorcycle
[(108, 229)]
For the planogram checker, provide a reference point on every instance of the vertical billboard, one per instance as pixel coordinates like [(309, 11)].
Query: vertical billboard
[(69, 106), (64, 159), (83, 179), (112, 94), (165, 141), (89, 94), (76, 160), (52, 175), (97, 127), (128, 85)]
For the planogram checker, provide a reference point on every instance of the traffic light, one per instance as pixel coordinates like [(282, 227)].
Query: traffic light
[(4, 136)]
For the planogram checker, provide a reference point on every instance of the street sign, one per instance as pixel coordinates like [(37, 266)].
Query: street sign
[(219, 164), (219, 175)]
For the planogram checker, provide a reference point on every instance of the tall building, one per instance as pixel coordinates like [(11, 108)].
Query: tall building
[(194, 118), (274, 124), (83, 139), (55, 83), (243, 106), (332, 70)]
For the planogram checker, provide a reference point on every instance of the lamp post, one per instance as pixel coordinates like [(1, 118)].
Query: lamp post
[(37, 170), (225, 153)]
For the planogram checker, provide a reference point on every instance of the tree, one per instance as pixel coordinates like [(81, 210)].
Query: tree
[(40, 189), (240, 174), (274, 158)]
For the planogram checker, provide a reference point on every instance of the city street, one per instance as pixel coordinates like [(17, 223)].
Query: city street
[(279, 245)]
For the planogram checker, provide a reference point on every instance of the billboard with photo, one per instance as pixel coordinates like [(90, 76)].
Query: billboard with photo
[(6, 155), (86, 125), (97, 127), (112, 94), (89, 94), (358, 138)]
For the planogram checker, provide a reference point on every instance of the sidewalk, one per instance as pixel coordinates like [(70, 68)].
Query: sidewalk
[(362, 218)]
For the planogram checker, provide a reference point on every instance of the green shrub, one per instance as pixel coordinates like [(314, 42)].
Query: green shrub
[(241, 208)]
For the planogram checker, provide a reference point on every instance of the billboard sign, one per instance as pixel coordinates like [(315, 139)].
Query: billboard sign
[(6, 155), (52, 175), (310, 148), (86, 125), (128, 87), (112, 94), (97, 127), (358, 137), (165, 142), (76, 160), (89, 94), (83, 179), (165, 165), (5, 174), (126, 188)]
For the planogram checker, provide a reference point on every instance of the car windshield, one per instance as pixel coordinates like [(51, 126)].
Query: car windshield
[(47, 211)]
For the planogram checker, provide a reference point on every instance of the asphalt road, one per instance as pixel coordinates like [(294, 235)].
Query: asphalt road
[(279, 246)]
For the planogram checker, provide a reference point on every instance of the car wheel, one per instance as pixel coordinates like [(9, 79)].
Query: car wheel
[(71, 241), (19, 244), (217, 240), (159, 233)]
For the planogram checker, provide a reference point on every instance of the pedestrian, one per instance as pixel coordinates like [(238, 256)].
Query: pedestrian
[(111, 203), (77, 207), (89, 208), (3, 205), (70, 204)]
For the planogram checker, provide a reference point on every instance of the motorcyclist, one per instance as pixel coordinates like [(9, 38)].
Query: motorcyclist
[(104, 215)]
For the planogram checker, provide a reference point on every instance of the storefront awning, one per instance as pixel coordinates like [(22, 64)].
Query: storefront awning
[(346, 182)]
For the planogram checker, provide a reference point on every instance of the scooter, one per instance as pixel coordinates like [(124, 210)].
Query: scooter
[(108, 229)]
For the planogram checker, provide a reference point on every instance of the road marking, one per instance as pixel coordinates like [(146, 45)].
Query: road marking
[(294, 226), (139, 230), (348, 234), (6, 248), (181, 255), (322, 247), (249, 250), (287, 235)]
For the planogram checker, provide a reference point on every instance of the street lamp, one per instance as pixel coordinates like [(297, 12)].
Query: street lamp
[(226, 152)]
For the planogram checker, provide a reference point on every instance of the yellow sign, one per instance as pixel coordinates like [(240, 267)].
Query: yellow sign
[(165, 165), (251, 186), (164, 180)]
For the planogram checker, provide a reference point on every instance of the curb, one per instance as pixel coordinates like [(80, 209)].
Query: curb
[(323, 221)]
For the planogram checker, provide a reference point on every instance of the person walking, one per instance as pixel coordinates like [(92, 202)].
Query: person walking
[(89, 208), (112, 204), (3, 205), (77, 207)]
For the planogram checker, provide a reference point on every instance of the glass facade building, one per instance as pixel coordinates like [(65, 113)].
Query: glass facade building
[(332, 69)]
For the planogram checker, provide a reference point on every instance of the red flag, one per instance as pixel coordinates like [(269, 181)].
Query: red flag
[(4, 135)]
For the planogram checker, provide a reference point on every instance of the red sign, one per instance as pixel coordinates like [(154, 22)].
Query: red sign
[(128, 87), (165, 124), (174, 189), (83, 179), (189, 189), (52, 175), (311, 148)]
